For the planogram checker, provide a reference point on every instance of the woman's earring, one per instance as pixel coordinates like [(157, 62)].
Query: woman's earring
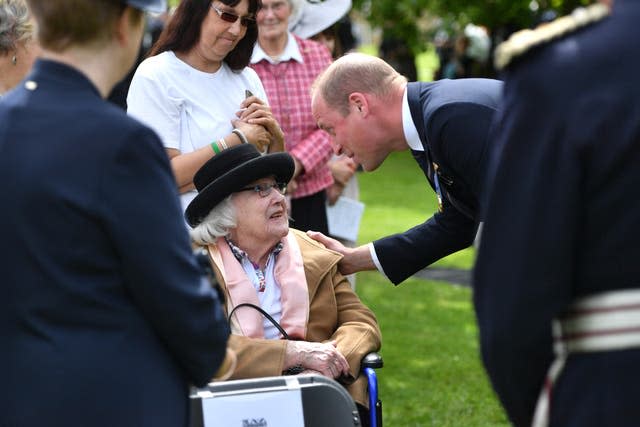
[(14, 60)]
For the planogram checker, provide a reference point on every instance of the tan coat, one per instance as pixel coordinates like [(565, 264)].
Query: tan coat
[(335, 313)]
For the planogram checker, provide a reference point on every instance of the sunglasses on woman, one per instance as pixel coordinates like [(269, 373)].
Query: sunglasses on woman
[(232, 17)]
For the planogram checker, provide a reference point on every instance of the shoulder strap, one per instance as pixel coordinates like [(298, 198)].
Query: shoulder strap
[(264, 313)]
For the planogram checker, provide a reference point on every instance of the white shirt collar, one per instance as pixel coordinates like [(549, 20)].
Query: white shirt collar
[(291, 51), (409, 128)]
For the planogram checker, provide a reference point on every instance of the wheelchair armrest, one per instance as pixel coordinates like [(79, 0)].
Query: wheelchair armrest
[(372, 360)]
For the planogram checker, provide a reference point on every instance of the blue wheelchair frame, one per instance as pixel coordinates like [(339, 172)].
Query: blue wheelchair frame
[(371, 362)]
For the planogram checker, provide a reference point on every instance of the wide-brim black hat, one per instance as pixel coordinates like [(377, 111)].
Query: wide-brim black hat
[(230, 171)]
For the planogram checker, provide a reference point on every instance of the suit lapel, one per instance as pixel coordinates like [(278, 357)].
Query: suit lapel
[(422, 157)]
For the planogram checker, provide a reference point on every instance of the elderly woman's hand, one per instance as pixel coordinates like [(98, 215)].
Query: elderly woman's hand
[(314, 356), (255, 111)]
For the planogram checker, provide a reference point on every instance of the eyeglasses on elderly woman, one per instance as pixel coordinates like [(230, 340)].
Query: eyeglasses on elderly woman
[(265, 189), (232, 17)]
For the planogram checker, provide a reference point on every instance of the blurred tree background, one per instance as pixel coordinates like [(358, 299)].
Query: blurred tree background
[(417, 21), (419, 25)]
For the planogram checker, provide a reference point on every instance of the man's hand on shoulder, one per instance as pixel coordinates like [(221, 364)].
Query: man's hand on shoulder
[(354, 259)]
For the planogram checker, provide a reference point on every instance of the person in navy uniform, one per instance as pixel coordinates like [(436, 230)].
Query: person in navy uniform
[(105, 317), (370, 110), (557, 279)]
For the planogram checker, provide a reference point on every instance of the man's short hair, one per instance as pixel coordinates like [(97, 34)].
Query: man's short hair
[(355, 72)]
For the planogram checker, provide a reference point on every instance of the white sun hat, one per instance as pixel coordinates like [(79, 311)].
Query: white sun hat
[(310, 17)]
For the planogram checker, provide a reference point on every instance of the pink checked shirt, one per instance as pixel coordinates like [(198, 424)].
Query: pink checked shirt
[(287, 85)]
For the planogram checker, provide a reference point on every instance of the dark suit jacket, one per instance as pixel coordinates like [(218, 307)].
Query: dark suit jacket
[(104, 316), (453, 118), (563, 220)]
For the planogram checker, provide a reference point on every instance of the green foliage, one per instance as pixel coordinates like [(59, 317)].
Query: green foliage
[(415, 21), (427, 63)]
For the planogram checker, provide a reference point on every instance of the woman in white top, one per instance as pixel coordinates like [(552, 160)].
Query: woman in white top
[(192, 88)]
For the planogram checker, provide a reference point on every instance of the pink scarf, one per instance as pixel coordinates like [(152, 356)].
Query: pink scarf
[(288, 272)]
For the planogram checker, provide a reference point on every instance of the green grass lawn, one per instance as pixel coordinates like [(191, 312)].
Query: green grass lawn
[(432, 375)]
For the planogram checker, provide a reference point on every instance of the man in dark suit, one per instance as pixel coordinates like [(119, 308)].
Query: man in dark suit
[(105, 318), (370, 110), (557, 281)]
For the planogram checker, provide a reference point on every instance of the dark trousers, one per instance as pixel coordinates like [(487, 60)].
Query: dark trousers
[(310, 213)]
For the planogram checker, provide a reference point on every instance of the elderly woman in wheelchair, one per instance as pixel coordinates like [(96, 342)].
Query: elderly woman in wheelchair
[(290, 310)]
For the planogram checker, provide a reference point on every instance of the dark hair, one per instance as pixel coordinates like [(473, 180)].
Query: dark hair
[(182, 31), (331, 33), (64, 23)]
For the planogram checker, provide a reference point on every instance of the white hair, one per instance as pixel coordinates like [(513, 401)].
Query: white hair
[(15, 26), (218, 223)]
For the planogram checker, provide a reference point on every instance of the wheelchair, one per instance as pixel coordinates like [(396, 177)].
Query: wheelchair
[(323, 401)]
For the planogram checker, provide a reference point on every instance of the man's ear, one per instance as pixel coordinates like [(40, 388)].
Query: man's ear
[(359, 102), (124, 26)]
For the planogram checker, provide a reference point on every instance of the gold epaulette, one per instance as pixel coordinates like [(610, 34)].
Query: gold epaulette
[(524, 40)]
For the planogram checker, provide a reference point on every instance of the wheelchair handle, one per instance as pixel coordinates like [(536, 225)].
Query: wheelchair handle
[(372, 360)]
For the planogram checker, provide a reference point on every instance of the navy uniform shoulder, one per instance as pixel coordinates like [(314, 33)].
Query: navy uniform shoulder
[(522, 42)]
